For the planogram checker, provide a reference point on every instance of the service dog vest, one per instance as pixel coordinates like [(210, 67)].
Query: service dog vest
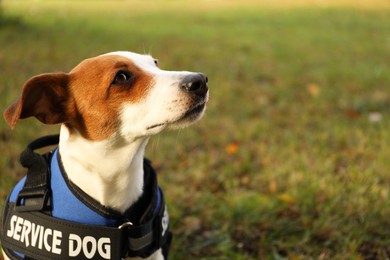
[(48, 217)]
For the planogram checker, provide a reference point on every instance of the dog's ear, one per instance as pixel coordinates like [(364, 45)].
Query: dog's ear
[(43, 96)]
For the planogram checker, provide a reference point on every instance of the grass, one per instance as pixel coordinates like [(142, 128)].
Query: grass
[(291, 159)]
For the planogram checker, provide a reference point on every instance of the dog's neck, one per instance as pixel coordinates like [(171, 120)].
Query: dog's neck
[(110, 171)]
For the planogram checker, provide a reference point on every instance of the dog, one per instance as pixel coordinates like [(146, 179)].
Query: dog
[(108, 107)]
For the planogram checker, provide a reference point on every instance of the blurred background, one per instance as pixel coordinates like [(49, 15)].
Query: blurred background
[(291, 160)]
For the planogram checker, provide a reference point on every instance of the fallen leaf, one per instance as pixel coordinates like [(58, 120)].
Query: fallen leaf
[(352, 113), (231, 148), (375, 117), (245, 180), (272, 186), (294, 257), (384, 193), (313, 89), (287, 198)]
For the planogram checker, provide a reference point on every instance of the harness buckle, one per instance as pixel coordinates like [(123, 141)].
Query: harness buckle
[(37, 199)]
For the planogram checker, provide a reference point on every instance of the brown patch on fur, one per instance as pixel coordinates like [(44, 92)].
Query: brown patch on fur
[(43, 96), (96, 103), (85, 99)]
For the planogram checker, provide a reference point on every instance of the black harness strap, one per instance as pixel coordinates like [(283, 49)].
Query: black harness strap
[(29, 228), (40, 236), (36, 193)]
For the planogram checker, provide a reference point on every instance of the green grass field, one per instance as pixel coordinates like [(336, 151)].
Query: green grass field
[(292, 158)]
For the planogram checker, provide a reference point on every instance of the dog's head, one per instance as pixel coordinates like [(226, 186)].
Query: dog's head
[(119, 93)]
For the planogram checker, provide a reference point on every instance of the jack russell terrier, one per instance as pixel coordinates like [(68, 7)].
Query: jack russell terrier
[(95, 196)]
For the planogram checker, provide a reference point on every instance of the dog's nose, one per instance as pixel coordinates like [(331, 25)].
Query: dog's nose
[(195, 83)]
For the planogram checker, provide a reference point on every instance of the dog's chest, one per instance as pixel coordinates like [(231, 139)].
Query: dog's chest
[(78, 226)]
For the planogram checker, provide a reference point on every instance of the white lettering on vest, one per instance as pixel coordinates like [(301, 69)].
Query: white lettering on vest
[(57, 235), (74, 250), (88, 239), (104, 247), (28, 233), (25, 232), (18, 228), (10, 232), (89, 246), (48, 232), (37, 236), (36, 230), (165, 221)]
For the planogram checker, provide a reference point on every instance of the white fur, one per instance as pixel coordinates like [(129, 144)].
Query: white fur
[(111, 171), (168, 101)]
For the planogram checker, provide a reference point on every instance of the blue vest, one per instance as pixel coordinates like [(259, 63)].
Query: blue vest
[(65, 205), (140, 231)]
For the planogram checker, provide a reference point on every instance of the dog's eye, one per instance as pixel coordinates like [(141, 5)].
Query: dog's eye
[(123, 78), (156, 62)]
